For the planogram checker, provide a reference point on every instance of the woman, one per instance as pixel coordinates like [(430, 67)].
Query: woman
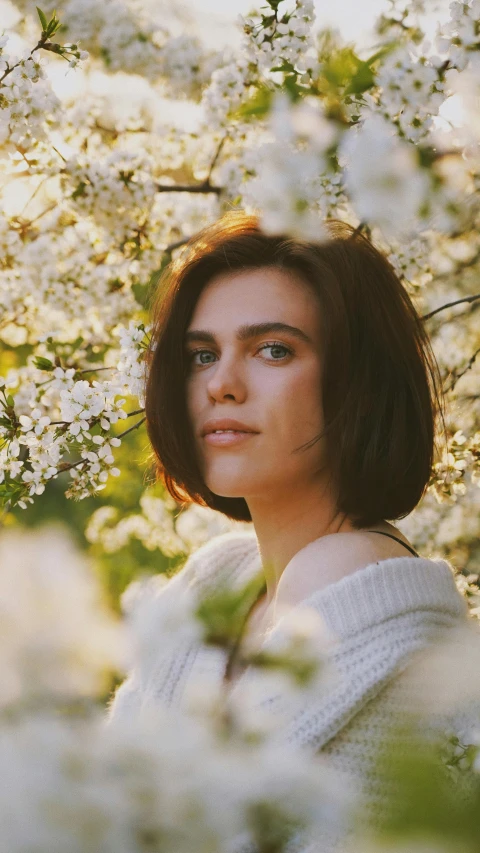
[(292, 385)]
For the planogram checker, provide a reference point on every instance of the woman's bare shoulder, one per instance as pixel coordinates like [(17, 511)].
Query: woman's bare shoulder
[(331, 558)]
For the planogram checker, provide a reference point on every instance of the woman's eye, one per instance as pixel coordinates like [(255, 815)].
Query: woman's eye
[(195, 352), (275, 346)]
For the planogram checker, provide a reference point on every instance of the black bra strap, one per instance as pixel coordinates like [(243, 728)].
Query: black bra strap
[(397, 539)]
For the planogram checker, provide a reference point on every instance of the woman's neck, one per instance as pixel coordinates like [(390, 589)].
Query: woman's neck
[(287, 524)]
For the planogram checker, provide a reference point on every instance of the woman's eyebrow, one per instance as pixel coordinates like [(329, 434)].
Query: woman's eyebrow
[(247, 331)]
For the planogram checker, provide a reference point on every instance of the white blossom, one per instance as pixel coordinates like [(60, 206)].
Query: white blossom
[(382, 176), (57, 640), (131, 367), (37, 422)]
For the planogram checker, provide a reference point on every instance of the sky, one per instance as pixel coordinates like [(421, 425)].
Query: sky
[(354, 18)]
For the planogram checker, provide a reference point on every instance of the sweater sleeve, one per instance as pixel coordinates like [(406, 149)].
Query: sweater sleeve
[(222, 557)]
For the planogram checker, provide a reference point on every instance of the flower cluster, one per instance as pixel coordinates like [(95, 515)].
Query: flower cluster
[(118, 193), (29, 108), (459, 37), (287, 171), (60, 642), (411, 91), (131, 367), (383, 177), (84, 402), (227, 89), (79, 407), (282, 40), (132, 38), (157, 528)]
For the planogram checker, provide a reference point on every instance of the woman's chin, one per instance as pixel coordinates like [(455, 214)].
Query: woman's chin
[(228, 489)]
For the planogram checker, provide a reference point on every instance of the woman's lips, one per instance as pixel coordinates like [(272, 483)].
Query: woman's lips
[(225, 439)]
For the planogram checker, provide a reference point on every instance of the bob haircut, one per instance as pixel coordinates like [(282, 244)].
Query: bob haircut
[(380, 390)]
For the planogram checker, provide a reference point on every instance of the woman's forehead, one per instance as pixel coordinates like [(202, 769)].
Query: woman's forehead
[(260, 288), (232, 304)]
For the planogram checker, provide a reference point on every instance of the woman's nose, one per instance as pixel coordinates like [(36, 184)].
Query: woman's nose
[(227, 379)]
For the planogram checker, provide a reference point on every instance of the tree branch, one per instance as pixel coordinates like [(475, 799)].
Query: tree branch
[(449, 305), (216, 156), (205, 187), (24, 226), (85, 461), (458, 376), (43, 41), (358, 229), (177, 245), (95, 369), (130, 429)]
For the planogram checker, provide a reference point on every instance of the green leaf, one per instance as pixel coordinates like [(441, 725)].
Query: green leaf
[(53, 27), (291, 87), (258, 105), (286, 67), (53, 24), (43, 19), (383, 51), (79, 191), (10, 401), (362, 80), (224, 610), (43, 363), (104, 53)]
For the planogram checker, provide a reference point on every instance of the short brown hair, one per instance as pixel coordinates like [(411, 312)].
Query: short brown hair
[(380, 388)]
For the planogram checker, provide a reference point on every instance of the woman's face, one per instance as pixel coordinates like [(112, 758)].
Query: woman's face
[(270, 381)]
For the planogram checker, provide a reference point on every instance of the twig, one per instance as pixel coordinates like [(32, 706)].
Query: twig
[(358, 229), (177, 244), (114, 132), (459, 375), (130, 429), (450, 304), (217, 154), (29, 223), (43, 41), (59, 154), (235, 651), (65, 423), (73, 465), (204, 187), (95, 369), (85, 461), (33, 195)]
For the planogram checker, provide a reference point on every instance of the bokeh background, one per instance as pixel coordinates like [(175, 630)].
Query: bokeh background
[(129, 549)]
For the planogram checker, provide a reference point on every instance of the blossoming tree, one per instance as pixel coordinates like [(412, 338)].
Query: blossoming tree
[(297, 127)]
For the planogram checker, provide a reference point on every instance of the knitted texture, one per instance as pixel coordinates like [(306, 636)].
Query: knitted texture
[(382, 617)]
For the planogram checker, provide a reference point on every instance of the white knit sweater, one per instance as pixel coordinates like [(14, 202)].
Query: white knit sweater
[(381, 616)]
